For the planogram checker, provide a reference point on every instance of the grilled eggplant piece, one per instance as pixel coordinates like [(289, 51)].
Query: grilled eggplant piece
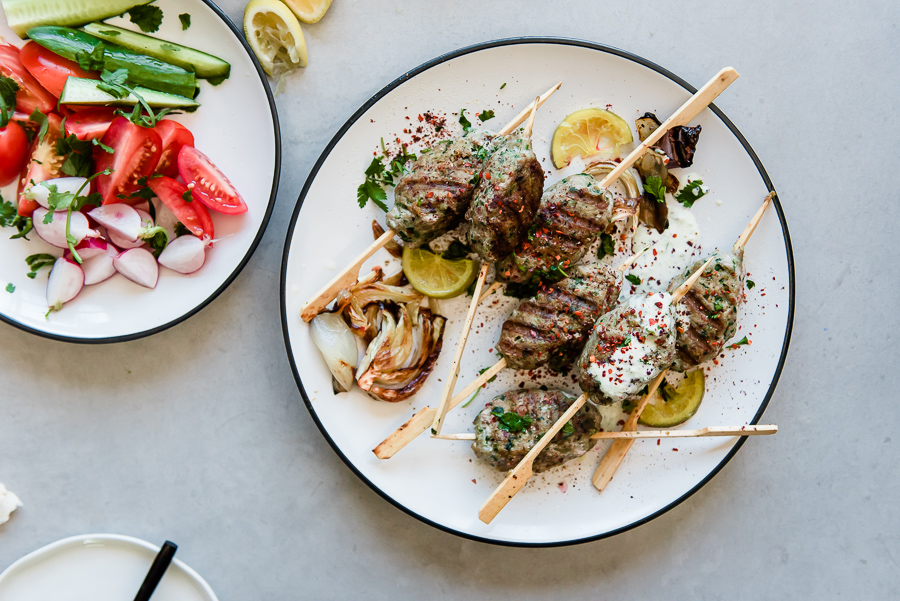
[(572, 213), (629, 346), (506, 199), (432, 198), (551, 327), (504, 441), (707, 316)]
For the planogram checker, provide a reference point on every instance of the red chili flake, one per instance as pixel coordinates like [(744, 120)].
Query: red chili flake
[(654, 252), (659, 304), (430, 194), (674, 235), (674, 449), (421, 118), (473, 481), (487, 176), (657, 442)]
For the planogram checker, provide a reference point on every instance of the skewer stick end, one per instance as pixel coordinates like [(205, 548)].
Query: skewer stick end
[(686, 286), (529, 126)]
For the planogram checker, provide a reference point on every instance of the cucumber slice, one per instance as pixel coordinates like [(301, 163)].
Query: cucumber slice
[(144, 71), (204, 65), (678, 406), (83, 91), (22, 15)]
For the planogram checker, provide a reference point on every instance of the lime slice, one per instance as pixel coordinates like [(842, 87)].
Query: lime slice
[(437, 277), (589, 132), (680, 403), (274, 34), (308, 11)]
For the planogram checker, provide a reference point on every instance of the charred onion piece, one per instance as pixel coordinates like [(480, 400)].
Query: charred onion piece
[(337, 344), (646, 125), (392, 247), (355, 302)]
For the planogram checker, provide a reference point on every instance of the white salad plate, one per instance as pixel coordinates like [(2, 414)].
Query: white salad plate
[(99, 567), (441, 482), (236, 126)]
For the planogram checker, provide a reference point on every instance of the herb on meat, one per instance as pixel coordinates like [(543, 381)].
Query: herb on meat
[(691, 193), (656, 188), (185, 19), (456, 250), (511, 422), (147, 17), (607, 246), (568, 430)]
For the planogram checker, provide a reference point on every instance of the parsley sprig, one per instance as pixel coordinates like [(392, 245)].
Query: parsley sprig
[(655, 187), (691, 193), (8, 89), (510, 421), (148, 17), (378, 175)]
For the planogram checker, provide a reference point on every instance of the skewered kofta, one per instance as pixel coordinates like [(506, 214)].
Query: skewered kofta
[(511, 424), (506, 199), (629, 346), (433, 196), (707, 316), (550, 328)]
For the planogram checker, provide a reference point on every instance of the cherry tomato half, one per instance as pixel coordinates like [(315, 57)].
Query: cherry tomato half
[(193, 215), (208, 184), (136, 155), (50, 69), (31, 94), (13, 152), (44, 163), (90, 123), (174, 135)]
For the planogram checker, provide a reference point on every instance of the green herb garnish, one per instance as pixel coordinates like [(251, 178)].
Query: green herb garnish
[(607, 246), (503, 86), (113, 82), (147, 17), (37, 262), (692, 192), (93, 60), (568, 430), (8, 89), (750, 284), (10, 288), (740, 342), (511, 422), (44, 124), (371, 188), (185, 19), (456, 250), (633, 279), (486, 115), (655, 187), (466, 124), (187, 196)]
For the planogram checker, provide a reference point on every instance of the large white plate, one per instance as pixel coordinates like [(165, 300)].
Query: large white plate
[(440, 482), (237, 127), (100, 567)]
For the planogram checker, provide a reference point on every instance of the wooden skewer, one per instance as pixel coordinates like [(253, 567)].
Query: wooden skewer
[(708, 431), (493, 287), (530, 125), (703, 432), (684, 115), (519, 475), (683, 289), (631, 260), (421, 421), (751, 227), (619, 448), (349, 274)]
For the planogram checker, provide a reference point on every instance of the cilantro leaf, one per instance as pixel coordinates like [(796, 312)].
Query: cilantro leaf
[(8, 89), (185, 19), (503, 86), (181, 230), (147, 17), (10, 288), (655, 187), (510, 421), (8, 213), (37, 262), (607, 246), (692, 192), (157, 238), (374, 192), (79, 160), (633, 279), (740, 342), (93, 60), (466, 124), (717, 305), (44, 124), (113, 82), (486, 115), (750, 284), (187, 196), (568, 430)]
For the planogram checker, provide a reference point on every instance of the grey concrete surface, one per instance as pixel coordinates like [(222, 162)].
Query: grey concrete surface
[(199, 434)]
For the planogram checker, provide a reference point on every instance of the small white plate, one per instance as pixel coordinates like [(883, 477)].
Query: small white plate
[(237, 127), (440, 482), (99, 567)]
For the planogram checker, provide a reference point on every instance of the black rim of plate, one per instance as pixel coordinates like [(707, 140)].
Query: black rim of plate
[(510, 42), (262, 228)]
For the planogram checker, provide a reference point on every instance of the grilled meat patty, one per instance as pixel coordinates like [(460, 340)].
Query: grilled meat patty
[(707, 315), (506, 198), (572, 213), (628, 347), (550, 328), (432, 198), (502, 440)]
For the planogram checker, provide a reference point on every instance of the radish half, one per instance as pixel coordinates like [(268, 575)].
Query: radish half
[(100, 268), (40, 193), (185, 254), (55, 232), (66, 281), (139, 266), (90, 248), (119, 218)]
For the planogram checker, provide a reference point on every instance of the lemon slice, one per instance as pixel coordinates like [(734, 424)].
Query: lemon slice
[(309, 11), (680, 404), (589, 132), (435, 276), (274, 34)]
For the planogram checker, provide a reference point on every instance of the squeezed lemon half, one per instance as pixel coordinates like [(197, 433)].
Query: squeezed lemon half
[(275, 37), (589, 132), (683, 402), (435, 276), (309, 11)]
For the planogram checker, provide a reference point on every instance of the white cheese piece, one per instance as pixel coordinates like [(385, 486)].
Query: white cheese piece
[(8, 503)]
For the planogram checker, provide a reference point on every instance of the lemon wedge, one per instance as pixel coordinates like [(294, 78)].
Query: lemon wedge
[(675, 405), (434, 276), (589, 132), (309, 11), (275, 37)]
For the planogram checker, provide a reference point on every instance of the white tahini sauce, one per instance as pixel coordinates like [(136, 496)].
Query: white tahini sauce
[(8, 503), (623, 375), (669, 253)]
